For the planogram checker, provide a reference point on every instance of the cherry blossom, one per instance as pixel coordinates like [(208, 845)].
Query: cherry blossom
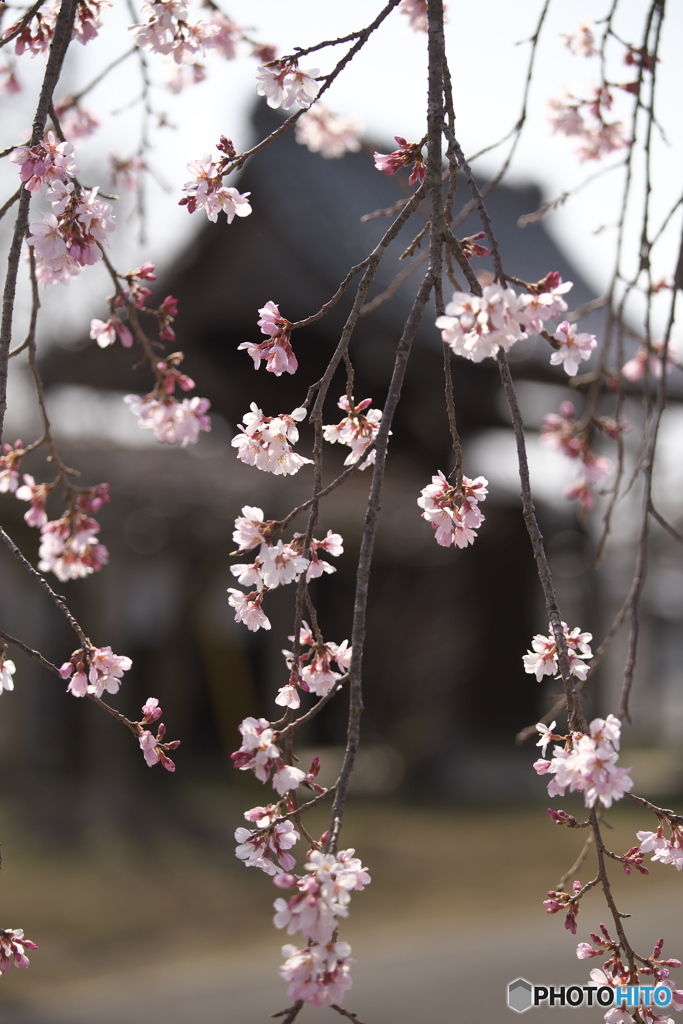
[(205, 191), (332, 543), (71, 237), (286, 778), (7, 670), (171, 422), (562, 433), (589, 765), (542, 659), (9, 467), (70, 548), (574, 348), (543, 301), (266, 442), (357, 430), (281, 564), (45, 163), (248, 609), (251, 529), (283, 84), (325, 133), (277, 351), (314, 672), (105, 333), (666, 851), (258, 750), (476, 327), (257, 849), (104, 672), (75, 121), (12, 946), (153, 747), (37, 495), (453, 514), (409, 154), (582, 42), (650, 361), (317, 974), (585, 119), (36, 35)]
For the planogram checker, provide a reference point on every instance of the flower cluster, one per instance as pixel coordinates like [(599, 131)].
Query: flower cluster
[(615, 973), (171, 422), (325, 133), (582, 42), (153, 748), (479, 326), (260, 754), (167, 31), (276, 564), (562, 433), (9, 466), (588, 764), (357, 430), (574, 348), (312, 671), (454, 513), (277, 350), (45, 163), (12, 946), (319, 973), (36, 34), (541, 660), (665, 850), (266, 441), (72, 236), (69, 546), (205, 189), (272, 840), (283, 84), (586, 120), (651, 360), (104, 671), (410, 154)]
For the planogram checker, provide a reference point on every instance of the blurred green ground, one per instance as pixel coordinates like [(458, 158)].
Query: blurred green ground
[(110, 903)]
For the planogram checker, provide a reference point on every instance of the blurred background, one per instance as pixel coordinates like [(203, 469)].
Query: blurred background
[(126, 877)]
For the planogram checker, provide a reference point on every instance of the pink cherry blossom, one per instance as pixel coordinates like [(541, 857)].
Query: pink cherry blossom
[(205, 191), (582, 42), (650, 361), (266, 441), (258, 750), (314, 672), (277, 351), (574, 348), (318, 975), (70, 547), (542, 659), (357, 430), (104, 672), (257, 849), (151, 710), (454, 515), (12, 946), (476, 327), (588, 765), (45, 163), (37, 495), (248, 609), (251, 529), (283, 84), (9, 467), (170, 421), (325, 133), (410, 154), (287, 778)]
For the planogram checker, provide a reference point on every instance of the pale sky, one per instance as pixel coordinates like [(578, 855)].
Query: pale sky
[(385, 90)]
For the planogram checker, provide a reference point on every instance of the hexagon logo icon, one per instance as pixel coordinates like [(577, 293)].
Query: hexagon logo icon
[(519, 995)]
